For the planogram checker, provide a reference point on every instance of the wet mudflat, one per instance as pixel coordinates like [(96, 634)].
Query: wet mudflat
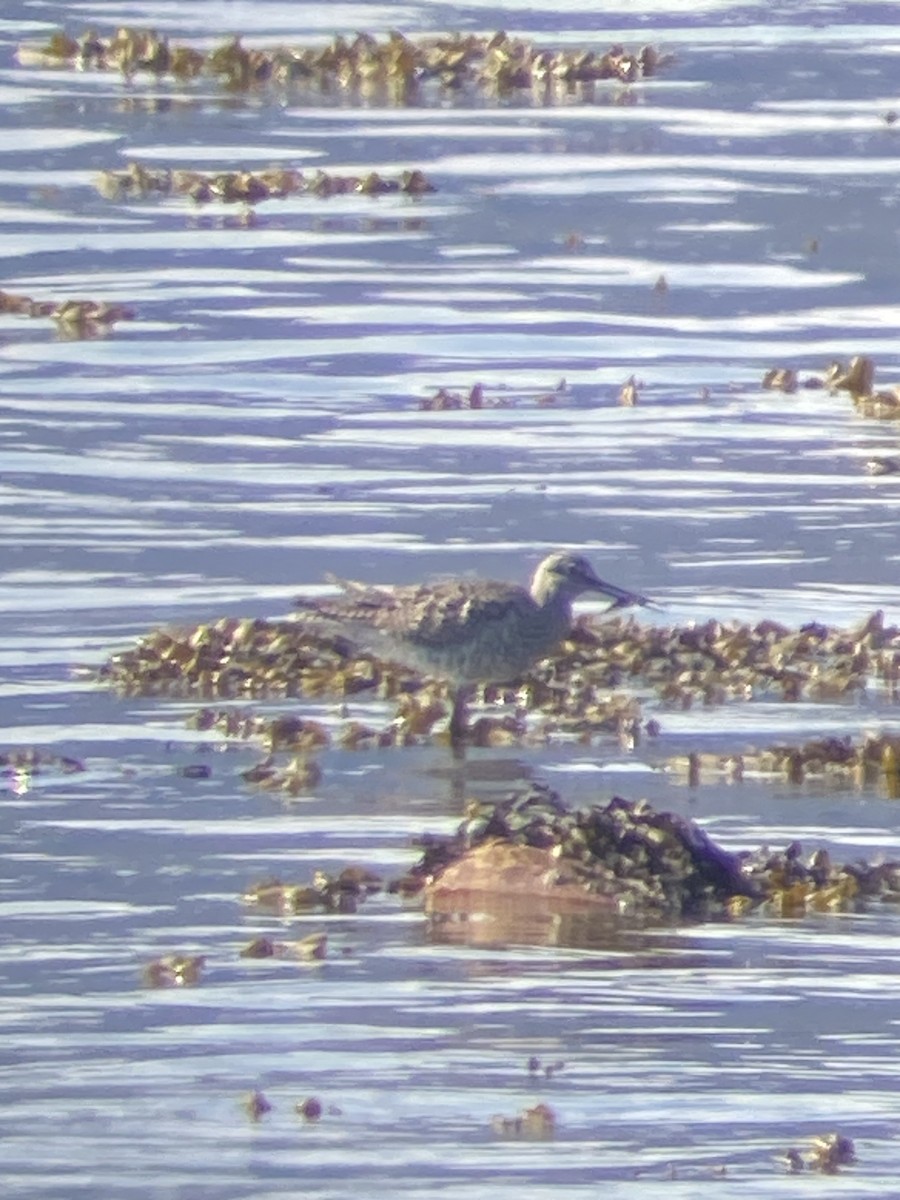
[(291, 394)]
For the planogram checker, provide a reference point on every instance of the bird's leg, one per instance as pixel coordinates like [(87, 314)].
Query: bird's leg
[(459, 716)]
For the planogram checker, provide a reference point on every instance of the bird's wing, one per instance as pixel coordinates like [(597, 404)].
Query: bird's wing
[(452, 612), (423, 615)]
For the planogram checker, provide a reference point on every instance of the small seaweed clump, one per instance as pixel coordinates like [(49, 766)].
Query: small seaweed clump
[(284, 732), (876, 758), (174, 970), (395, 66), (445, 400), (629, 860), (856, 378), (29, 760), (256, 1105), (309, 949), (250, 187), (827, 1153), (532, 1124), (74, 319), (343, 892), (20, 765)]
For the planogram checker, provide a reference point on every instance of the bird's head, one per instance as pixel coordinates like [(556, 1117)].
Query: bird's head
[(569, 575)]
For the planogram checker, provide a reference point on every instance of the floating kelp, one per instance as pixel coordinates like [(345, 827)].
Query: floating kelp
[(20, 766), (827, 1154), (781, 379), (174, 970), (576, 693), (535, 1066), (529, 853), (314, 947), (29, 760), (287, 732), (856, 377), (195, 771), (256, 1105), (74, 318), (533, 1124), (395, 66), (628, 393), (875, 759), (882, 465), (296, 778), (445, 400), (251, 187), (340, 893), (299, 774)]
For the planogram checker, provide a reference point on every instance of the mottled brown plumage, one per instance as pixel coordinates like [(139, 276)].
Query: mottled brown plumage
[(463, 631)]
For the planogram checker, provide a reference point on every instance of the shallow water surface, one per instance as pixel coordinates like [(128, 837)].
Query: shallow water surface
[(260, 423)]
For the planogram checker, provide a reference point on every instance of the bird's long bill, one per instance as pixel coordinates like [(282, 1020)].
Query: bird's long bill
[(619, 596)]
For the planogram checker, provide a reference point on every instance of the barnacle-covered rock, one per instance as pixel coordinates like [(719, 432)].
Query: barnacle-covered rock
[(621, 859), (528, 862)]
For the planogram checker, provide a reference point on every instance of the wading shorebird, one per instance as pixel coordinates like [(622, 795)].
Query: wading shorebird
[(463, 631)]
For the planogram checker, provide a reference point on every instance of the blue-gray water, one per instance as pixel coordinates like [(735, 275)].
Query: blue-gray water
[(258, 425)]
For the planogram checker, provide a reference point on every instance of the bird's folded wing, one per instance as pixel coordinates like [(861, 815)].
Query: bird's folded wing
[(425, 616)]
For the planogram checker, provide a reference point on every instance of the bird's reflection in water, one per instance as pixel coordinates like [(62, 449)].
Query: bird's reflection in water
[(485, 777)]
